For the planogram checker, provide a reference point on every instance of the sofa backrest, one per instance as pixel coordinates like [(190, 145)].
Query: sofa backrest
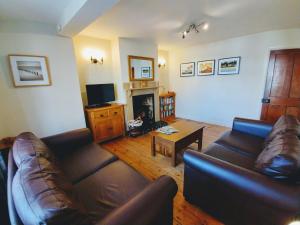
[(280, 157), (39, 192)]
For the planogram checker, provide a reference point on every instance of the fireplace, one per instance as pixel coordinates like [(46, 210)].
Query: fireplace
[(144, 109)]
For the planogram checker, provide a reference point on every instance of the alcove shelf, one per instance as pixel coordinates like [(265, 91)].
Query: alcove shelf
[(167, 106)]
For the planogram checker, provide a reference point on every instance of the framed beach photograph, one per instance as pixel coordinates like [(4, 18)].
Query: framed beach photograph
[(229, 66), (187, 69), (29, 70), (145, 72), (206, 68)]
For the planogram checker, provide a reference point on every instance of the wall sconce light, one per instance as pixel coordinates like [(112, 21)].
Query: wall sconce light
[(161, 63), (96, 61), (95, 56)]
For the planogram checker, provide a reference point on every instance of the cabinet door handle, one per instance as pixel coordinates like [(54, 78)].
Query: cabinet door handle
[(115, 113)]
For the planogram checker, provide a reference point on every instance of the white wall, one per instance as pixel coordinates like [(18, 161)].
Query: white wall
[(137, 48), (122, 47), (163, 72), (218, 99), (93, 73), (43, 110)]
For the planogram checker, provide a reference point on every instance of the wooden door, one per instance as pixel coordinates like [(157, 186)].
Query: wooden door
[(282, 90)]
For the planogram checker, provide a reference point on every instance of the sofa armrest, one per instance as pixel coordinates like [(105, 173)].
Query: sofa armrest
[(240, 180), (68, 141), (148, 207), (254, 127)]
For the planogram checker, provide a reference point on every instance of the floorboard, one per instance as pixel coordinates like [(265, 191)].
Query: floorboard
[(136, 152)]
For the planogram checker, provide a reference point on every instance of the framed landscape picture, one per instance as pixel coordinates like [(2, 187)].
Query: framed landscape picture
[(229, 66), (206, 68), (145, 72), (187, 69), (29, 70)]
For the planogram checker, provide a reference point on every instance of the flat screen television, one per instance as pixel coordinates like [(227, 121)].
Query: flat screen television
[(100, 94)]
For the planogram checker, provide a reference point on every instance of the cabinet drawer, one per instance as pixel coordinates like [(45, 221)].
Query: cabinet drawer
[(115, 112), (101, 114)]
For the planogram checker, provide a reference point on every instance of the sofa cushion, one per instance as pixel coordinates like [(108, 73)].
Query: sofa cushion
[(285, 124), (281, 157), (108, 188), (85, 161), (246, 144), (27, 146), (39, 194), (228, 155)]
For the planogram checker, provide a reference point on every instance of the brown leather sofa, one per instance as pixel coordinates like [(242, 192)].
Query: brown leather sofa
[(250, 175), (68, 179)]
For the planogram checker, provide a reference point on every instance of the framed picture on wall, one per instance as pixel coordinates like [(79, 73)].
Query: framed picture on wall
[(145, 72), (206, 68), (229, 66), (187, 69), (29, 70)]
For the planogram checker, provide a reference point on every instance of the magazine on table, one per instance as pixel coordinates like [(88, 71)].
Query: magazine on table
[(167, 130)]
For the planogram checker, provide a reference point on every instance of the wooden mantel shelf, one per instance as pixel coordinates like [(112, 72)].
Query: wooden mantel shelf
[(142, 88), (140, 85)]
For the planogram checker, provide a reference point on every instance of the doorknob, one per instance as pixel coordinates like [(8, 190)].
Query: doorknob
[(266, 100)]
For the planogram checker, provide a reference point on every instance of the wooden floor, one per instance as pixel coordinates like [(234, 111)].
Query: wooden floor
[(136, 152)]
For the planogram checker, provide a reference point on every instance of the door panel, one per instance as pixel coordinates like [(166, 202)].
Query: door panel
[(295, 90), (118, 125), (295, 111), (275, 111), (281, 76), (103, 129), (282, 85)]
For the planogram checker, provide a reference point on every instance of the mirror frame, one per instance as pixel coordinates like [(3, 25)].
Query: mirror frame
[(131, 78)]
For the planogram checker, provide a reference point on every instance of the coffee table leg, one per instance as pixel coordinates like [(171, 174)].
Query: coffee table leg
[(200, 137), (153, 146), (173, 150)]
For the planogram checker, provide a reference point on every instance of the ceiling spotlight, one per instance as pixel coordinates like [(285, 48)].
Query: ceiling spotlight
[(205, 26), (194, 27), (184, 34)]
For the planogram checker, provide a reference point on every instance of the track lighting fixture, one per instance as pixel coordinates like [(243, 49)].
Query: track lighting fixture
[(194, 27)]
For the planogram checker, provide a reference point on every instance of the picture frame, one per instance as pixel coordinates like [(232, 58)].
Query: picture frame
[(29, 70), (187, 69), (145, 72), (206, 67), (229, 66)]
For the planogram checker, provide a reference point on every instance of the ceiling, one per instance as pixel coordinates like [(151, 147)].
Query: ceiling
[(161, 20), (44, 11), (164, 20)]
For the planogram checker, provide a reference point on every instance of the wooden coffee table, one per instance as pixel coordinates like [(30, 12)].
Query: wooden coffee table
[(189, 132)]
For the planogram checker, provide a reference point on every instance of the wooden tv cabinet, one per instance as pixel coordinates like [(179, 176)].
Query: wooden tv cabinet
[(106, 122)]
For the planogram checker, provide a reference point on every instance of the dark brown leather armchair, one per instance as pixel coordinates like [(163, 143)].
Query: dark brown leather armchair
[(68, 179)]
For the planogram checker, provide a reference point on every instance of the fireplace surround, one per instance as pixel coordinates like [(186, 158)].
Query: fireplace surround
[(134, 88)]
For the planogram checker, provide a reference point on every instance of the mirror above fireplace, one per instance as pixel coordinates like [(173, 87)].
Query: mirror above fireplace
[(140, 68)]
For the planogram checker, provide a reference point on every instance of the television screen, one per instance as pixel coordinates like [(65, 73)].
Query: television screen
[(98, 94)]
